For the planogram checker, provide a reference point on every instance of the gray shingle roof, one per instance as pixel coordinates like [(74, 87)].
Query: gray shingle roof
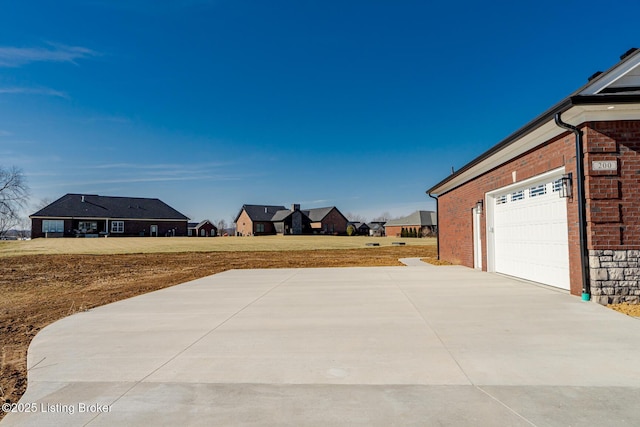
[(94, 206), (317, 214), (260, 212), (416, 218), (281, 215)]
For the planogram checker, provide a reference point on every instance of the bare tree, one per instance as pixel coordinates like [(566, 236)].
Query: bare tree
[(25, 228), (384, 217), (221, 224), (14, 194), (42, 203), (353, 217)]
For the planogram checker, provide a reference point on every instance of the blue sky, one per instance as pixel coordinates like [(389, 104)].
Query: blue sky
[(208, 105)]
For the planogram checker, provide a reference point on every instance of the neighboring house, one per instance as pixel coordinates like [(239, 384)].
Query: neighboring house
[(292, 221), (423, 222), (202, 229), (361, 229), (376, 228), (557, 202), (256, 220), (88, 215), (327, 220)]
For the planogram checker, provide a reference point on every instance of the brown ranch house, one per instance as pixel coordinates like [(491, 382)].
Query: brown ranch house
[(425, 223), (89, 215), (202, 229), (261, 220), (557, 202)]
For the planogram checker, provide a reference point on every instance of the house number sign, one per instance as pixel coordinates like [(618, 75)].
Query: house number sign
[(604, 165)]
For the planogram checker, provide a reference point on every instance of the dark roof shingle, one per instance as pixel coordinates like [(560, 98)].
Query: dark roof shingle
[(260, 212), (94, 206)]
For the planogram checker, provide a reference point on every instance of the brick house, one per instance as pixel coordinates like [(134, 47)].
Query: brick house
[(89, 215), (423, 222), (327, 220), (202, 229), (255, 220), (558, 201), (259, 220)]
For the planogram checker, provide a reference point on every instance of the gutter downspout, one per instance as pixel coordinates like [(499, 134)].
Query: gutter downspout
[(582, 208), (438, 225)]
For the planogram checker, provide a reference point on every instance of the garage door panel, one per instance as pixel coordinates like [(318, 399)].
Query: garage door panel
[(530, 234)]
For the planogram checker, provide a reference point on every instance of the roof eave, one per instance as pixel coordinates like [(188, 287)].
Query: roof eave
[(614, 98), (560, 107), (585, 95)]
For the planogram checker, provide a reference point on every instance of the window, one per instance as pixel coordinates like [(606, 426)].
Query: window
[(88, 226), (203, 232), (117, 226), (538, 190), (501, 200), (518, 195), (53, 226), (259, 228), (557, 185)]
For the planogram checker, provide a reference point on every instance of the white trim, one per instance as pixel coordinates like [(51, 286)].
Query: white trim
[(527, 182), (477, 239), (489, 204), (117, 224)]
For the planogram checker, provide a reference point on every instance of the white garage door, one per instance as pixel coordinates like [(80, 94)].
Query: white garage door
[(530, 232)]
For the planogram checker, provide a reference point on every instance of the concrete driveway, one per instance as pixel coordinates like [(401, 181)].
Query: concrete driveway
[(341, 346)]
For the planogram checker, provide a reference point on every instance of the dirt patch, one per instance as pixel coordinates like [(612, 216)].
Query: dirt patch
[(436, 261), (40, 289), (628, 309)]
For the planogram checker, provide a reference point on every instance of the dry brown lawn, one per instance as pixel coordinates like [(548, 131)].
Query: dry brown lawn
[(43, 281), (40, 289)]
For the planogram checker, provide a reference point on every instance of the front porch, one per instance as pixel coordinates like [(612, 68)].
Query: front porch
[(90, 228)]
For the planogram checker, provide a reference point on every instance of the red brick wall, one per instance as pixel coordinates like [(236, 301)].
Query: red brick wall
[(36, 228), (135, 228), (396, 230), (613, 198), (246, 227), (210, 230), (455, 216), (269, 228), (335, 221), (393, 231)]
